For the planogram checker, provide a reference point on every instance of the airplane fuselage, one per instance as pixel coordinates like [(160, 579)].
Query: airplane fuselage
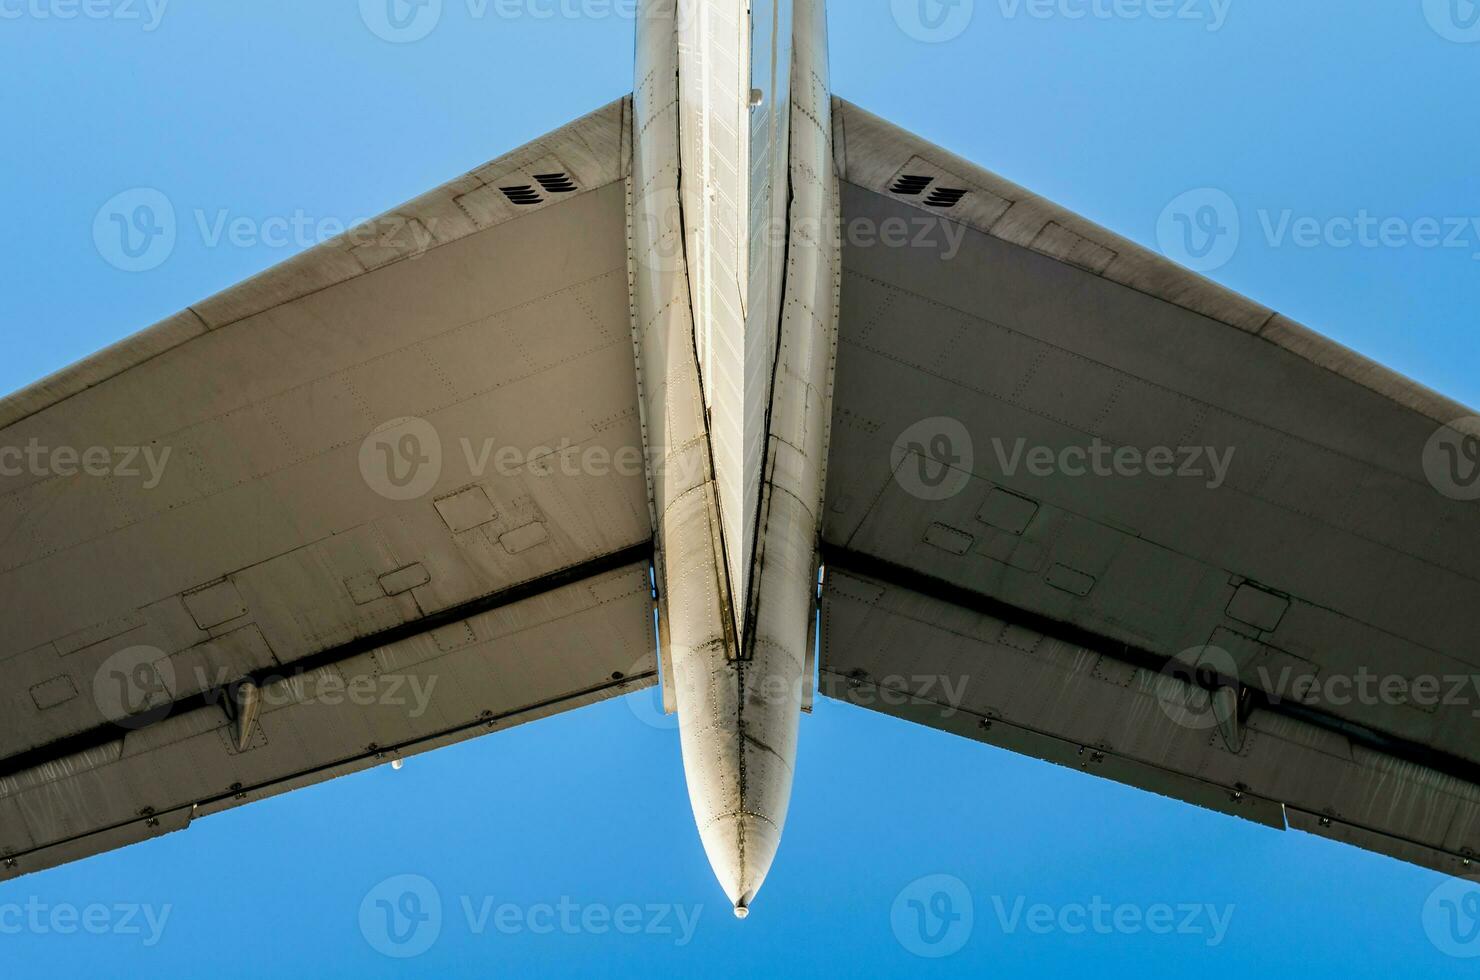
[(735, 258)]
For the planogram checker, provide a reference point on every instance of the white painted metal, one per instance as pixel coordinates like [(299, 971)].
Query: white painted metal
[(1323, 551), (263, 540), (671, 340), (888, 648), (266, 540), (548, 654), (261, 552), (770, 188), (736, 429), (713, 39)]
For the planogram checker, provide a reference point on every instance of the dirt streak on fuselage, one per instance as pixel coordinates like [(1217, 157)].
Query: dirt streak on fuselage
[(735, 303)]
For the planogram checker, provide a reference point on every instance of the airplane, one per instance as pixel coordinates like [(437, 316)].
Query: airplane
[(733, 389)]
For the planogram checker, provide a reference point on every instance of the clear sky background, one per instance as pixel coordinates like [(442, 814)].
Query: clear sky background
[(286, 107)]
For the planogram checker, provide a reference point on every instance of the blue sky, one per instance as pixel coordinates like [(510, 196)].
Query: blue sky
[(1277, 115)]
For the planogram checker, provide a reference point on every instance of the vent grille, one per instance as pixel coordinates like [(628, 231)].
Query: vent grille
[(523, 195), (945, 197), (556, 183), (911, 185)]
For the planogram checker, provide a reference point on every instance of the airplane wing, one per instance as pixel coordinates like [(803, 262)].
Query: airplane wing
[(1088, 506), (386, 496)]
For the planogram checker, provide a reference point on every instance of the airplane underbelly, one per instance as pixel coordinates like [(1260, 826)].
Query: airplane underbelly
[(735, 286)]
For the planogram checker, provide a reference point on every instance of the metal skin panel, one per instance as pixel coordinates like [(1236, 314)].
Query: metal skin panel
[(1317, 576), (998, 681), (695, 610), (520, 382), (772, 33), (552, 652), (873, 152), (713, 41), (736, 590), (1323, 502), (784, 574), (595, 150), (694, 376), (286, 393), (366, 448)]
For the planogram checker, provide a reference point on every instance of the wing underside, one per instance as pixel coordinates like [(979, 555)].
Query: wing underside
[(393, 488), (1022, 547), (396, 489)]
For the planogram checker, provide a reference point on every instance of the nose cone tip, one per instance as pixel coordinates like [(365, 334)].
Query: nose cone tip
[(741, 848)]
